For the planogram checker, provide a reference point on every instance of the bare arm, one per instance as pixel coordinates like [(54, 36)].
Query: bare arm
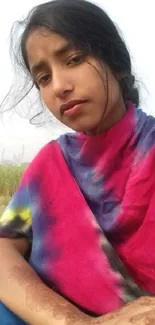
[(22, 291), (139, 312)]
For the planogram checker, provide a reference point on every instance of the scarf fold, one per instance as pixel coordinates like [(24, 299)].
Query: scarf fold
[(87, 204), (81, 270)]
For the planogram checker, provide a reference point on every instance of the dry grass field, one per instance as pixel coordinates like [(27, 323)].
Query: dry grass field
[(10, 176)]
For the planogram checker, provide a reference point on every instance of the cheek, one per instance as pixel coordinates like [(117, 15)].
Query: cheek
[(114, 91), (48, 99), (96, 81), (44, 95)]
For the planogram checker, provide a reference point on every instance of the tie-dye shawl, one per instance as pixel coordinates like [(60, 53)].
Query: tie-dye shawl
[(87, 204)]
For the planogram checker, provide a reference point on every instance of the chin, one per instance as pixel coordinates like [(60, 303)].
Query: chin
[(85, 124), (85, 128)]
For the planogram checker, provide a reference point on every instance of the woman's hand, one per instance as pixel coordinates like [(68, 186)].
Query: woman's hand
[(139, 312)]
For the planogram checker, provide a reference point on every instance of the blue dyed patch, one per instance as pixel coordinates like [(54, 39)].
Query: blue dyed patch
[(145, 134), (101, 201), (9, 318), (20, 198)]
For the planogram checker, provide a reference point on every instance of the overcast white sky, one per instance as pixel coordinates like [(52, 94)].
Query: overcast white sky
[(136, 20)]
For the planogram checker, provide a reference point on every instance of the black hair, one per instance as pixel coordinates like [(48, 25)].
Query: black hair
[(89, 28)]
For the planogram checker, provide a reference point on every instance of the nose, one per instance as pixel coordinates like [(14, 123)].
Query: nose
[(62, 85)]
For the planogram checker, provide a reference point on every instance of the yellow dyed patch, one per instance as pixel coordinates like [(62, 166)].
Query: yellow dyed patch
[(10, 214), (26, 216)]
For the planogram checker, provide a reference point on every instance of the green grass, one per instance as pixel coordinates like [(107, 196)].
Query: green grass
[(9, 180)]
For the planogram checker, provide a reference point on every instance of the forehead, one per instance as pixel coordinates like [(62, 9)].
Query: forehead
[(42, 45)]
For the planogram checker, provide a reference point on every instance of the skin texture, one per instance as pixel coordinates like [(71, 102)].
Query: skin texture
[(64, 75), (72, 75), (139, 312), (60, 78), (45, 306)]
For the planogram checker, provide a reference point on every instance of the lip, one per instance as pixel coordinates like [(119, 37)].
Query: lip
[(71, 107)]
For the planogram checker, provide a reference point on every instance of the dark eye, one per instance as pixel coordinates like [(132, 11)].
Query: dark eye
[(43, 80), (75, 60)]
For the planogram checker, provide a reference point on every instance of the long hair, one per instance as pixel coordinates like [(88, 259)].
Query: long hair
[(88, 28)]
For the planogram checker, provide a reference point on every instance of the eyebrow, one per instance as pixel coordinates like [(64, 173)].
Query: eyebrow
[(65, 48), (40, 65)]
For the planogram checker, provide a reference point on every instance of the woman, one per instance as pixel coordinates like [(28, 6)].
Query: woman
[(77, 239)]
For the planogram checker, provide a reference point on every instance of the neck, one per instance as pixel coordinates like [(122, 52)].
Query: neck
[(114, 115)]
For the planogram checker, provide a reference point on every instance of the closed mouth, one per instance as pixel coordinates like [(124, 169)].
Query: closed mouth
[(70, 105)]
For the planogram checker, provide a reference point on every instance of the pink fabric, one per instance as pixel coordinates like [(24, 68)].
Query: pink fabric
[(80, 191)]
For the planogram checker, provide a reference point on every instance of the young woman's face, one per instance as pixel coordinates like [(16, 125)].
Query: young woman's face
[(80, 92)]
